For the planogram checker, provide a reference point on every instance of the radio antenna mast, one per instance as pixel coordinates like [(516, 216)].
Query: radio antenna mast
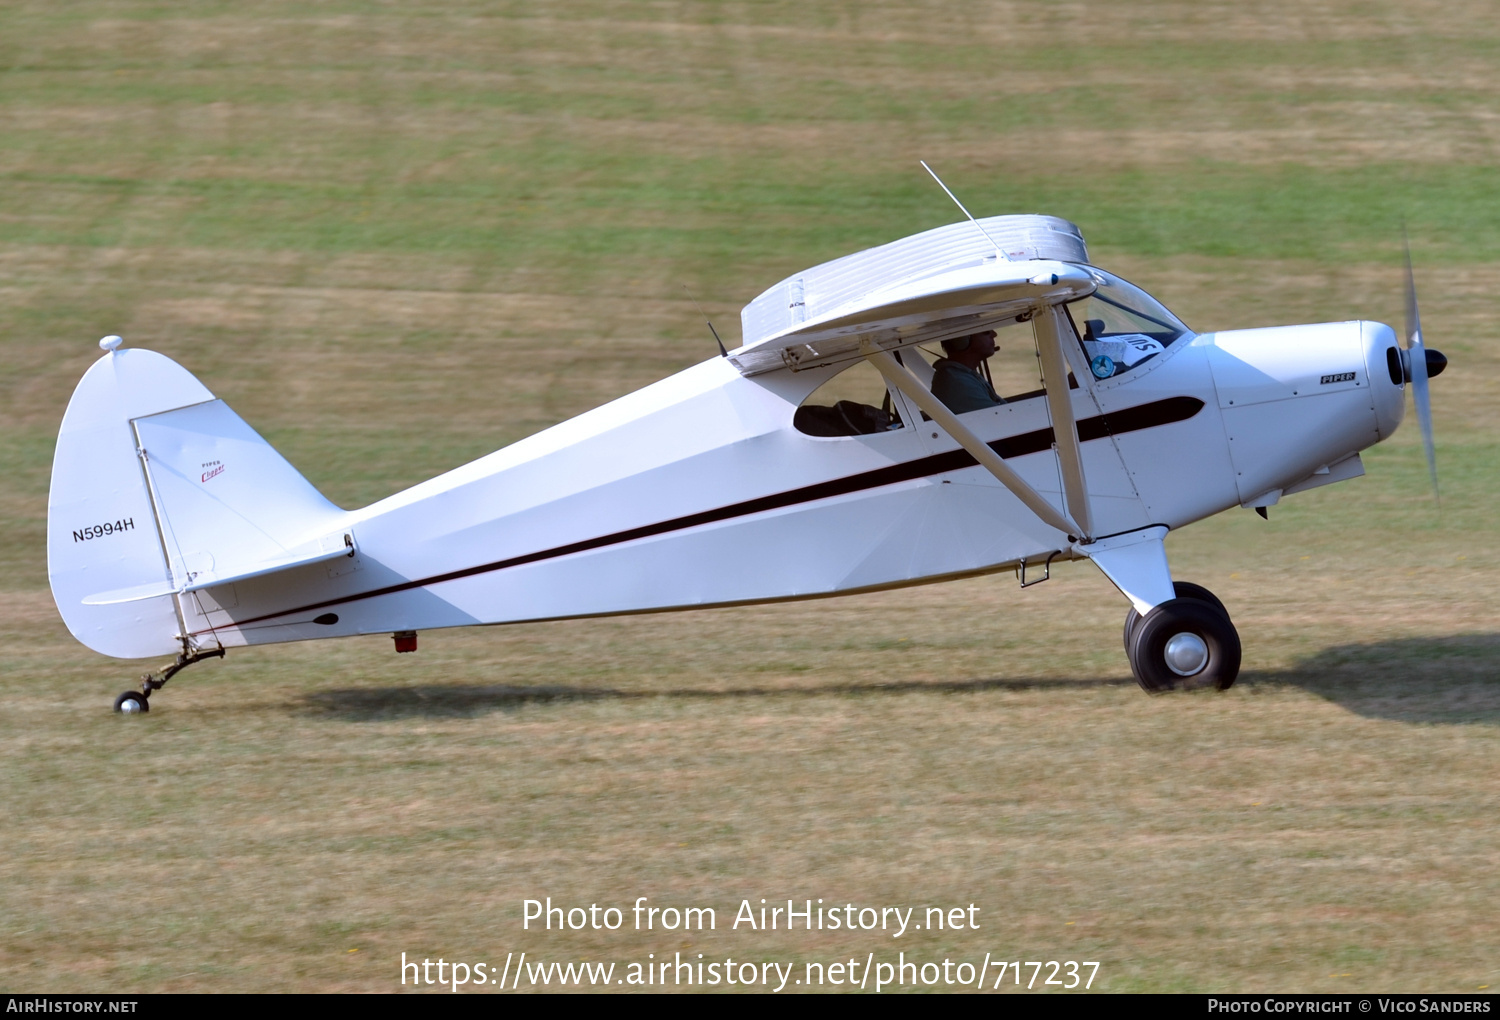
[(722, 352), (961, 209)]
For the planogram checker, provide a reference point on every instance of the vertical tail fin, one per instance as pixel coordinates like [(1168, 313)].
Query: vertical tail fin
[(158, 488)]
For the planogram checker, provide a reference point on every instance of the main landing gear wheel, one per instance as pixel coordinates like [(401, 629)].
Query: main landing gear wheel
[(132, 703), (1184, 590), (1183, 644)]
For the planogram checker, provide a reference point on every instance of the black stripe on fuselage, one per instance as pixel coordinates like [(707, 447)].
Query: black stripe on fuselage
[(1131, 419)]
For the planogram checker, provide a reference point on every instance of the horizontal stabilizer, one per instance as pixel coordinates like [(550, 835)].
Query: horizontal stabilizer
[(331, 548), (139, 593)]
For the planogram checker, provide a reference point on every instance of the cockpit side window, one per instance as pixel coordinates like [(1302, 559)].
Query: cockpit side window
[(1121, 326), (1012, 373), (855, 402)]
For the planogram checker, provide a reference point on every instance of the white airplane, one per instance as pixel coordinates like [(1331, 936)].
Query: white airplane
[(174, 528)]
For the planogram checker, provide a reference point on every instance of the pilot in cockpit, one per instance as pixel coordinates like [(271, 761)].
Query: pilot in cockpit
[(956, 379)]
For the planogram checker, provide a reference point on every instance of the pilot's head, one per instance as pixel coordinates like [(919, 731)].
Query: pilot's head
[(974, 347)]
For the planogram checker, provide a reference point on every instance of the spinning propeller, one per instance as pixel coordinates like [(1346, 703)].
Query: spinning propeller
[(1420, 364)]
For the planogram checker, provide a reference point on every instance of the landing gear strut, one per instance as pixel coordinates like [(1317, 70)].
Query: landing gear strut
[(1186, 642), (134, 702), (1185, 638)]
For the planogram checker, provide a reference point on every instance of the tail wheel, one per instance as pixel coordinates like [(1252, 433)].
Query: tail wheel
[(1183, 644), (132, 703), (1184, 590)]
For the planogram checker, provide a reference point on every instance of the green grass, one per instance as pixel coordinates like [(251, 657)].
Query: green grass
[(678, 216), (396, 238)]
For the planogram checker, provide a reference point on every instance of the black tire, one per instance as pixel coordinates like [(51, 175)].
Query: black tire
[(1183, 590), (1185, 616), (136, 699), (1131, 619), (1189, 590)]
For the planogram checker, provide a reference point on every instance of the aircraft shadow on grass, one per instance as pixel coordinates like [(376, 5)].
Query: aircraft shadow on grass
[(370, 703), (1415, 680)]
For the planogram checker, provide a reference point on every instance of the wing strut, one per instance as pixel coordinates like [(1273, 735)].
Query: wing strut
[(1050, 330), (899, 376)]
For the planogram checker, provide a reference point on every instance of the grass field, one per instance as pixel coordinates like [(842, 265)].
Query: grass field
[(396, 237)]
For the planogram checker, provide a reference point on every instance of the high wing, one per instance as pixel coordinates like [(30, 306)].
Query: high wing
[(951, 281), (951, 303), (948, 281)]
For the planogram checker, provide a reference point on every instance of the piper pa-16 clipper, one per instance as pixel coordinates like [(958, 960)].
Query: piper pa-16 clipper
[(174, 528)]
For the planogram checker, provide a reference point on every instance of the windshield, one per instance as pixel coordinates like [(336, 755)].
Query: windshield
[(1122, 326)]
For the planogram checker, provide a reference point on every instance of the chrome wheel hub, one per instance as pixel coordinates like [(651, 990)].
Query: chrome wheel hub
[(1186, 654)]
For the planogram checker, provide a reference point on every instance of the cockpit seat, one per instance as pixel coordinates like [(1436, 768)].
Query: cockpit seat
[(845, 418)]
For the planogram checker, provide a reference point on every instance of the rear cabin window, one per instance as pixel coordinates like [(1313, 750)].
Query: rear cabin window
[(855, 402)]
